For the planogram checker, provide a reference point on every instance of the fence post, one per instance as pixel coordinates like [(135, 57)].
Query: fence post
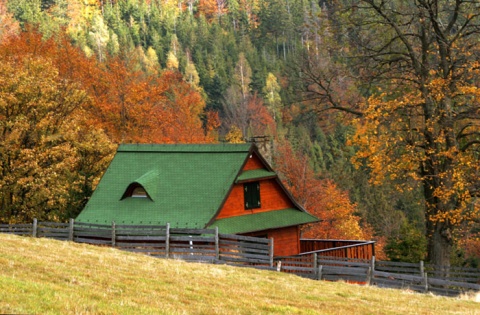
[(217, 245), (372, 270), (167, 240), (319, 272), (422, 268), (70, 230), (425, 279), (34, 228), (113, 234), (369, 276), (315, 263), (271, 252)]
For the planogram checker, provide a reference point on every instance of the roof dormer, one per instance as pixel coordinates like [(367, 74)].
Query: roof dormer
[(143, 187)]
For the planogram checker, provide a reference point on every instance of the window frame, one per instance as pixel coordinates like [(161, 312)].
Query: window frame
[(251, 195), (130, 192)]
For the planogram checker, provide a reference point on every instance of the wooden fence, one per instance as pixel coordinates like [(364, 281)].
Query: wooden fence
[(207, 245), (202, 245), (418, 277)]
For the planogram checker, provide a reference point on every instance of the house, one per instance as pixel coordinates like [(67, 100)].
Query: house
[(229, 186)]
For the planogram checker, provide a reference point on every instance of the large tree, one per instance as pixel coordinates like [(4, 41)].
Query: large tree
[(45, 145), (320, 197), (419, 70)]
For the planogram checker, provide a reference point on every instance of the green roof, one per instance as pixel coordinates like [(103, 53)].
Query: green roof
[(187, 184), (255, 174), (263, 221)]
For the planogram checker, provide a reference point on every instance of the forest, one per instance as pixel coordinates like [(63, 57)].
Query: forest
[(372, 106)]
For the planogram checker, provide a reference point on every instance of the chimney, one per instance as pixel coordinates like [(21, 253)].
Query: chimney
[(264, 145)]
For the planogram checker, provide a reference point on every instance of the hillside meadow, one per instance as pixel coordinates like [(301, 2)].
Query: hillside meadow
[(40, 276)]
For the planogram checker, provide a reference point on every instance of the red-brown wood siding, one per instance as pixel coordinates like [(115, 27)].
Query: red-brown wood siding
[(253, 163), (286, 241), (349, 249), (272, 197)]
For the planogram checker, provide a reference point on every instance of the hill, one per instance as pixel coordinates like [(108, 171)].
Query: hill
[(50, 277)]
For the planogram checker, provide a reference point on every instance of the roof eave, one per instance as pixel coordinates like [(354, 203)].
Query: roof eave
[(254, 148), (273, 228)]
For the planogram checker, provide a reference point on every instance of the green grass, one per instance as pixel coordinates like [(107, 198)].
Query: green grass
[(40, 276)]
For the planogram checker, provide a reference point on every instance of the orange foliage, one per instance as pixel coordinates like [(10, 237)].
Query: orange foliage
[(296, 175), (129, 105), (136, 107), (472, 246), (212, 8), (260, 120), (8, 25), (51, 158), (212, 124), (321, 198), (337, 215)]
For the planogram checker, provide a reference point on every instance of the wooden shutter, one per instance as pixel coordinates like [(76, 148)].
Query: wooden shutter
[(251, 195)]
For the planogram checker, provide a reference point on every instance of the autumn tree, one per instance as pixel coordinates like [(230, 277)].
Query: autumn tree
[(321, 198), (45, 99), (8, 25), (182, 110), (212, 9), (250, 116), (272, 96), (418, 62), (43, 142), (243, 109), (133, 106), (234, 135), (337, 214), (99, 36)]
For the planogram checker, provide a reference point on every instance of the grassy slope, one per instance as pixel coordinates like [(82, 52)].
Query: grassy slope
[(48, 277)]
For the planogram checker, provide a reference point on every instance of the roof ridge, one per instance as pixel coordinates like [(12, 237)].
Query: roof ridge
[(186, 148)]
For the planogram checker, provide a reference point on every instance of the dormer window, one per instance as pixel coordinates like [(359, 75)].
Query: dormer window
[(135, 190), (139, 192)]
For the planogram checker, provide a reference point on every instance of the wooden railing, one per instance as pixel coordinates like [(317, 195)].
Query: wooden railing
[(338, 248), (203, 245), (418, 277)]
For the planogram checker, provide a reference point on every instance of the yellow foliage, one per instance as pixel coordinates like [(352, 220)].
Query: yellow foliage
[(48, 142), (400, 138), (172, 61), (234, 135)]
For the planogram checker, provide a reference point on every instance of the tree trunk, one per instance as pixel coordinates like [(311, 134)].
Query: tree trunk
[(439, 233), (440, 245)]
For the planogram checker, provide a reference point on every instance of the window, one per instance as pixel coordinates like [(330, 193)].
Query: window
[(251, 192), (135, 191), (139, 192)]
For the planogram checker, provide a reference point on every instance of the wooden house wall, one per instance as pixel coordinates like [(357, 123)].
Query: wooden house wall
[(286, 241), (272, 198), (253, 163)]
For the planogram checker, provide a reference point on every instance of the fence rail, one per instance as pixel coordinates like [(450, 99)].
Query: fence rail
[(338, 248), (417, 277), (204, 245), (207, 245)]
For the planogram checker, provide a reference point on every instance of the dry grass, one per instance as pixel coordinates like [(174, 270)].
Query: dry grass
[(39, 276)]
